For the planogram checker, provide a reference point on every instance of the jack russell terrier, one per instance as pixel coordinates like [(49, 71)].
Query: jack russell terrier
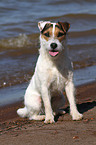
[(53, 74)]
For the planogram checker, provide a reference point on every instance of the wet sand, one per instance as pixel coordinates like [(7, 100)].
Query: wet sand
[(17, 131)]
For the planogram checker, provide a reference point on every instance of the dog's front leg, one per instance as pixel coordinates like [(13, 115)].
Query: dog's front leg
[(49, 117), (70, 92)]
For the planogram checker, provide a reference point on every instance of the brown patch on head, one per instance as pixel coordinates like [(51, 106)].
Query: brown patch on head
[(64, 26), (47, 31), (61, 30)]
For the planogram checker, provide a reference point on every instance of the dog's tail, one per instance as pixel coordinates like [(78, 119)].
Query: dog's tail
[(22, 112)]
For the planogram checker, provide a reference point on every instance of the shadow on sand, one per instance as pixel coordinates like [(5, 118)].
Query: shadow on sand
[(84, 107)]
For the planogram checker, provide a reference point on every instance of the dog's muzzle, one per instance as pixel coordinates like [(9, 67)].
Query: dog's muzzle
[(53, 52)]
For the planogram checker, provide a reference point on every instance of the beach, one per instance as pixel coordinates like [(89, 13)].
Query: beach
[(15, 130), (19, 50)]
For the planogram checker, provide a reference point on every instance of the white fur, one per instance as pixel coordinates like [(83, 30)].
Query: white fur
[(51, 76)]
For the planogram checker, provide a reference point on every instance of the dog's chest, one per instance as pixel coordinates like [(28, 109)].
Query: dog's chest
[(57, 81)]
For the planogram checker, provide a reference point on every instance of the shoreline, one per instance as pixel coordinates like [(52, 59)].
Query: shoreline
[(81, 77), (21, 129), (83, 93)]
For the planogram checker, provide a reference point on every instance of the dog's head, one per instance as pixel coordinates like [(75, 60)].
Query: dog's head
[(52, 36)]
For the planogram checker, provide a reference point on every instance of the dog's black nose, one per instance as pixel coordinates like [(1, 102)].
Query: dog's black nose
[(53, 45)]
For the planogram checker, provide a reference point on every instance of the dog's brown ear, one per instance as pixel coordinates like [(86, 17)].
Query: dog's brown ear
[(64, 25)]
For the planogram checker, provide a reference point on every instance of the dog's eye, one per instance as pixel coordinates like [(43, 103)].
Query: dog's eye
[(60, 34), (47, 34)]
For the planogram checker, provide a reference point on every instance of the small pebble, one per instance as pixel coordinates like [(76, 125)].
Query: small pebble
[(75, 137)]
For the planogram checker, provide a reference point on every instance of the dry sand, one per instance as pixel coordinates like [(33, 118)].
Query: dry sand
[(17, 131)]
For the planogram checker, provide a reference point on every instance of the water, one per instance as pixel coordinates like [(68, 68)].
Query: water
[(15, 93), (19, 42), (21, 16)]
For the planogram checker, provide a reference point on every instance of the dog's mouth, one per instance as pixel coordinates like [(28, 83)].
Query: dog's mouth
[(53, 53)]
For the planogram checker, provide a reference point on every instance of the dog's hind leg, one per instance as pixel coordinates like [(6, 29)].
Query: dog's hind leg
[(37, 117), (32, 106), (33, 103)]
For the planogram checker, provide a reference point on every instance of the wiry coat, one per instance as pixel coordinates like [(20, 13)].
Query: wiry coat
[(52, 75)]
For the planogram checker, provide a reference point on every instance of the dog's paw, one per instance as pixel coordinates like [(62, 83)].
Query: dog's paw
[(49, 119), (37, 117), (77, 116)]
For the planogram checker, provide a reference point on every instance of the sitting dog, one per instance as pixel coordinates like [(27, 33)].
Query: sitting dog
[(53, 74)]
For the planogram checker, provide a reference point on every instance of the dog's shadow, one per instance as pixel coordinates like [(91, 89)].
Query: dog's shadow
[(84, 107)]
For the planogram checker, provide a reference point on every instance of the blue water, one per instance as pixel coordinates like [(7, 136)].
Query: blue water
[(21, 16), (16, 93), (19, 42)]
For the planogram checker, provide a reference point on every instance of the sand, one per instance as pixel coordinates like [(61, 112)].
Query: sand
[(17, 131)]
